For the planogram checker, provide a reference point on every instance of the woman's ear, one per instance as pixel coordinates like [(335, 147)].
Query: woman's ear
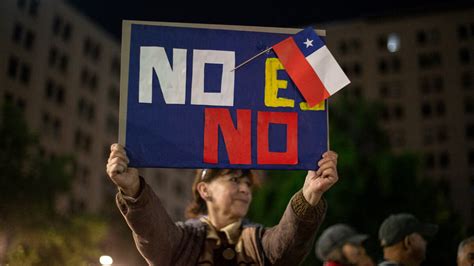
[(408, 242), (203, 190)]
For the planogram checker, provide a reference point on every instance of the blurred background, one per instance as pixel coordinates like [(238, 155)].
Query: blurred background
[(404, 127)]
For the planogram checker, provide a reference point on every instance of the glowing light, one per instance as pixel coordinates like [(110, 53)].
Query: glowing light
[(393, 43), (106, 260)]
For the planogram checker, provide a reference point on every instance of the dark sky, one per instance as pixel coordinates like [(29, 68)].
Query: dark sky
[(245, 12)]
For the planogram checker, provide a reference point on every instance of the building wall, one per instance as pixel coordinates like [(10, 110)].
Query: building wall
[(63, 71), (426, 83)]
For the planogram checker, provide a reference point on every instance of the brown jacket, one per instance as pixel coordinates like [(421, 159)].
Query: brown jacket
[(162, 242)]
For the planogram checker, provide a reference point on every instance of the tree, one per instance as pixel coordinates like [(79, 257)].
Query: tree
[(373, 183), (35, 233)]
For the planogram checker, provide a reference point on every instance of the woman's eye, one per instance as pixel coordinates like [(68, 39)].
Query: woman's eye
[(234, 179)]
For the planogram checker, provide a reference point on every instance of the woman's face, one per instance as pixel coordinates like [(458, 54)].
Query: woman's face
[(230, 195)]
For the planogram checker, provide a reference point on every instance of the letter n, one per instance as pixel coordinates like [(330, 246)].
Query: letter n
[(264, 155), (237, 140)]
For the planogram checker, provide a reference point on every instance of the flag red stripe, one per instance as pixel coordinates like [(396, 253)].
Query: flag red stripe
[(301, 72)]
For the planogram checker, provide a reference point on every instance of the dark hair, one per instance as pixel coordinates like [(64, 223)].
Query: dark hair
[(198, 205)]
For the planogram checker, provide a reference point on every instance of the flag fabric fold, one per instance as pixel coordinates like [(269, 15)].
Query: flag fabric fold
[(311, 66)]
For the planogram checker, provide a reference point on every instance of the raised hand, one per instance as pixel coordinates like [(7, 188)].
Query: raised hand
[(318, 182), (117, 168)]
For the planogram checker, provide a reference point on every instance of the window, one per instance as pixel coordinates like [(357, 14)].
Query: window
[(8, 97), (426, 110), (89, 79), (64, 63), (440, 108), (442, 134), (390, 42), (343, 47), (467, 80), (54, 92), (21, 104), (444, 159), (382, 42), (469, 105), (61, 28), (470, 131), (33, 8), (470, 157), (91, 49), (429, 36), (58, 59), (82, 141), (429, 161), (393, 43), (357, 69), (57, 23), (113, 96), (465, 31), (13, 63), (398, 112), (431, 84), (23, 36), (17, 32), (112, 125), (382, 66), (21, 4), (25, 73), (67, 32), (428, 138), (53, 56), (51, 126), (429, 60), (86, 110), (465, 55), (390, 64), (398, 138), (29, 40), (115, 66)]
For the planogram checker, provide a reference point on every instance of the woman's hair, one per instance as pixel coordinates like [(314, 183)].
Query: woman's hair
[(198, 205)]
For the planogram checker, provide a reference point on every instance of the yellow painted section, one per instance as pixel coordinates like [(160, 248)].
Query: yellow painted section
[(318, 107), (273, 84)]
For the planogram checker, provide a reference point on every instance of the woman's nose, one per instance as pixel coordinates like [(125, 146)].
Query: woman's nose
[(244, 188)]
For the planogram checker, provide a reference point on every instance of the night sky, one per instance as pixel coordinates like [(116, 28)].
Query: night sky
[(110, 14)]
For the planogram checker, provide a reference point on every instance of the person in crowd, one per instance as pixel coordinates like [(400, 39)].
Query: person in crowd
[(341, 245), (466, 252), (219, 234), (403, 239)]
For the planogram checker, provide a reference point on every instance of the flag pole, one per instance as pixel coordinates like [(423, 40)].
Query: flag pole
[(252, 58)]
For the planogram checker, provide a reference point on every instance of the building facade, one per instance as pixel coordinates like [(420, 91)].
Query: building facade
[(421, 67), (63, 71)]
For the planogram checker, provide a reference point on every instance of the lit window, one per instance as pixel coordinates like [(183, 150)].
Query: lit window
[(393, 43)]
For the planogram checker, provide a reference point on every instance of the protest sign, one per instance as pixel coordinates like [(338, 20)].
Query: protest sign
[(182, 104)]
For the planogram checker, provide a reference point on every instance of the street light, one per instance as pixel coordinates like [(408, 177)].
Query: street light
[(106, 260)]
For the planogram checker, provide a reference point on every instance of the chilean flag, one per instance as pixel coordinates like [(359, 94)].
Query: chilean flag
[(311, 66)]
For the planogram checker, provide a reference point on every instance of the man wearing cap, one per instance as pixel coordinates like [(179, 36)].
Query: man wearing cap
[(403, 238), (466, 252), (341, 245)]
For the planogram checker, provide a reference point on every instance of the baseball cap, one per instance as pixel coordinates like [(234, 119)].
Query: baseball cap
[(398, 226), (336, 236)]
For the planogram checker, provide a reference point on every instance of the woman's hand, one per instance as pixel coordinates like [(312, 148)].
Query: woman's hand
[(117, 168), (318, 182)]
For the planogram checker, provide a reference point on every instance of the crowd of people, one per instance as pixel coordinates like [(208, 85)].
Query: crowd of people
[(402, 237), (218, 233)]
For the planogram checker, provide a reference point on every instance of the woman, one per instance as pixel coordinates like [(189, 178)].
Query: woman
[(220, 236)]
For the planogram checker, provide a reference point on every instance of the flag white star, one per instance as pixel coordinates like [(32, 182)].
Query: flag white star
[(308, 42)]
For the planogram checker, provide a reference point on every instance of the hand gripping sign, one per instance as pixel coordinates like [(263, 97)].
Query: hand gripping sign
[(182, 104)]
